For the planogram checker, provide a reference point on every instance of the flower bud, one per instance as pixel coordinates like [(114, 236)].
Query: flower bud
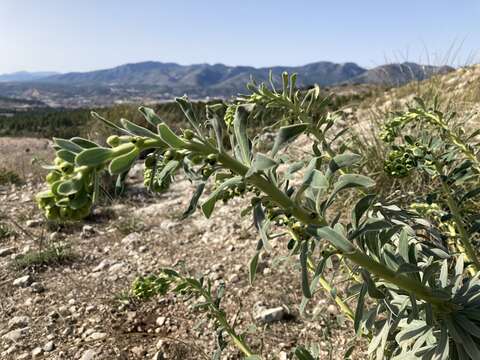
[(113, 140), (188, 134)]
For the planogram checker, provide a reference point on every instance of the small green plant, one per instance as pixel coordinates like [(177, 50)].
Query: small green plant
[(52, 255), (146, 287), (9, 177), (6, 231), (206, 300), (414, 298)]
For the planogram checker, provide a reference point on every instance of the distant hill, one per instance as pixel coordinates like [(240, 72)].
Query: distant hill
[(150, 82), (25, 76), (399, 74), (219, 76)]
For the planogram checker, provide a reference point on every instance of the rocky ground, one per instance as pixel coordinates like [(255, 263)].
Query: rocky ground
[(80, 308)]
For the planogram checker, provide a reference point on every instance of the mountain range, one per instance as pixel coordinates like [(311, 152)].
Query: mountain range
[(156, 80), (26, 76)]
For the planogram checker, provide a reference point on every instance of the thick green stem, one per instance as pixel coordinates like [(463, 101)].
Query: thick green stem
[(464, 237), (357, 256), (421, 291)]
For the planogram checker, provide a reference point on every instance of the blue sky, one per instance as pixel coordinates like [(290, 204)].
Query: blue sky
[(81, 35)]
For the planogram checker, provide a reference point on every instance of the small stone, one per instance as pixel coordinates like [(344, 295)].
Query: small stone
[(6, 251), (67, 331), (87, 231), (97, 336), (36, 287), (34, 222), (139, 351), (37, 352), (88, 355), (23, 356), (115, 268), (132, 239), (131, 316), (18, 322), (16, 335), (270, 315), (136, 171), (161, 320), (49, 346), (103, 265), (23, 281), (283, 355), (332, 309)]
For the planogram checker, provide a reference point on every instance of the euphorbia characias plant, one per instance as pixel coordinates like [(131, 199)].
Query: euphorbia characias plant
[(422, 303)]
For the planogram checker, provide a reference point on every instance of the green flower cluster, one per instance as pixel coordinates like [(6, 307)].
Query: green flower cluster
[(152, 175), (403, 159), (146, 287), (390, 129), (400, 163), (229, 193), (230, 115), (70, 194), (430, 209)]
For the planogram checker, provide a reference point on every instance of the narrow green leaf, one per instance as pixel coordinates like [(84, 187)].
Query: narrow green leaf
[(192, 206), (69, 187), (444, 274), (68, 145), (109, 123), (371, 286), (168, 170), (359, 310), (403, 245), (94, 156), (304, 266), (287, 134), (124, 162), (336, 239), (240, 130), (342, 161), (84, 143), (168, 136), (80, 200), (260, 163), (138, 130), (218, 124), (209, 204), (187, 109), (361, 207), (150, 116), (261, 224), (348, 181), (66, 155), (252, 268), (377, 341)]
